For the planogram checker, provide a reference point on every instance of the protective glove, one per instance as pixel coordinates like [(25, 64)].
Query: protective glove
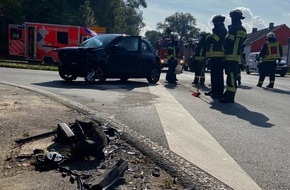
[(242, 67)]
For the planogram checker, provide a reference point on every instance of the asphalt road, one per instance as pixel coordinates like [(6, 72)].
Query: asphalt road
[(245, 144)]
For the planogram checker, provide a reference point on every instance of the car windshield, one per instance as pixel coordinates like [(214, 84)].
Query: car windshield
[(98, 41)]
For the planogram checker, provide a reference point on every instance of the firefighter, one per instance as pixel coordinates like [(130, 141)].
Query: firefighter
[(215, 56), (233, 48), (270, 52), (172, 58), (200, 58), (240, 68)]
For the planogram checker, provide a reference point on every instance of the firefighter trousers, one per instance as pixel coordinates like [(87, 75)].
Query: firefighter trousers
[(231, 70), (267, 67), (170, 75), (216, 76), (199, 72)]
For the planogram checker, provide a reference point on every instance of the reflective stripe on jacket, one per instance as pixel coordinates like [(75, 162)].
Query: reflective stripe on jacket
[(273, 52), (171, 52), (200, 50), (215, 42), (234, 43)]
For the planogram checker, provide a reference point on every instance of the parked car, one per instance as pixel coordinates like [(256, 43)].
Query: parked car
[(110, 56), (253, 61)]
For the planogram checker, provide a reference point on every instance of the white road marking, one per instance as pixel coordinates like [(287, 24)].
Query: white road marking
[(187, 138)]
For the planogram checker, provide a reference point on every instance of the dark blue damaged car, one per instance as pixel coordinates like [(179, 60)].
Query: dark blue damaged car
[(110, 56)]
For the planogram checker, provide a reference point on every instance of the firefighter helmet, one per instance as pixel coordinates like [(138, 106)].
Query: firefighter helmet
[(174, 37), (168, 31), (237, 14), (202, 34), (218, 18), (271, 35)]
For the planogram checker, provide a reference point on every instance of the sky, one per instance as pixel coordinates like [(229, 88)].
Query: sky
[(258, 13)]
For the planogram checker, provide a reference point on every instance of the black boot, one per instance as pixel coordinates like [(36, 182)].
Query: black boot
[(228, 97), (208, 93), (270, 86), (195, 81)]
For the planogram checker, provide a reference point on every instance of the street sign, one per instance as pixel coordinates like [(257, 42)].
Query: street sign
[(98, 30)]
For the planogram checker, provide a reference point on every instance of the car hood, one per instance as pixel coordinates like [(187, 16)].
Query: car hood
[(72, 48)]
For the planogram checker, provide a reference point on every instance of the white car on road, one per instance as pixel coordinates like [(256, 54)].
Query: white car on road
[(252, 65)]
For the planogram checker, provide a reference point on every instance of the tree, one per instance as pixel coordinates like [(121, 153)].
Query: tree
[(117, 16), (182, 23), (87, 14), (152, 36)]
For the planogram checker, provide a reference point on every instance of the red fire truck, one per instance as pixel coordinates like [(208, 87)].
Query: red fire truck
[(161, 48), (35, 41)]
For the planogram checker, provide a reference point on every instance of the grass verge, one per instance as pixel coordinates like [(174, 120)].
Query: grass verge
[(25, 65)]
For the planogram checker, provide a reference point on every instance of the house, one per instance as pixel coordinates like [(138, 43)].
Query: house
[(257, 38)]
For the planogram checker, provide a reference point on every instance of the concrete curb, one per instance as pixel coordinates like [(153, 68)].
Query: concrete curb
[(187, 173)]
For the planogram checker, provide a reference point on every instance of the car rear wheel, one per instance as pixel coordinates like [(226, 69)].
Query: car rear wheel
[(283, 73), (154, 76), (65, 76), (100, 75)]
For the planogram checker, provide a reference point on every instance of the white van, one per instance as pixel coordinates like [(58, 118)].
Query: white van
[(252, 63)]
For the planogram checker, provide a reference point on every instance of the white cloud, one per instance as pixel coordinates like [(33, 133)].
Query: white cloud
[(144, 30), (251, 21), (204, 23)]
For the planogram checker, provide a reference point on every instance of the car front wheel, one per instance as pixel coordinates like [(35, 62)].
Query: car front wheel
[(154, 76), (65, 76), (100, 75)]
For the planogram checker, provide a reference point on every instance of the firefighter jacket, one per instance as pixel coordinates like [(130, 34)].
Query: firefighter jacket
[(271, 50), (215, 42), (172, 50), (200, 50), (233, 45)]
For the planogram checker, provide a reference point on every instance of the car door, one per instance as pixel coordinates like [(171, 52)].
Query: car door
[(125, 55), (147, 58)]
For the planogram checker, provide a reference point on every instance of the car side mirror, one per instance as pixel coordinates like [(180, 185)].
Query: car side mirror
[(115, 48)]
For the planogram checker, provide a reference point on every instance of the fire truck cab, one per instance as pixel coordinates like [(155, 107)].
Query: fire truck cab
[(35, 41)]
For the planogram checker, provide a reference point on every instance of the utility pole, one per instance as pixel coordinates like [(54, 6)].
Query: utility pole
[(288, 52)]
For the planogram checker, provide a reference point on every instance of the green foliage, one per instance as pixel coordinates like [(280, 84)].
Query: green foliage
[(182, 23), (87, 14), (152, 36), (117, 16)]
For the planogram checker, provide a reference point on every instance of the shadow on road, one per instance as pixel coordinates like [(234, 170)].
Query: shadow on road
[(244, 87), (255, 118), (277, 90), (108, 85)]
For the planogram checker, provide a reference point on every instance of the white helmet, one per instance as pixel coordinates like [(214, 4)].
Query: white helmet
[(175, 37), (271, 35)]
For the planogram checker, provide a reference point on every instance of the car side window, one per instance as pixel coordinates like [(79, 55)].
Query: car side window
[(145, 47), (251, 57), (128, 44)]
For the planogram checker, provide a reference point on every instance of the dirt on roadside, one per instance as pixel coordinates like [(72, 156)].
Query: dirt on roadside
[(25, 113)]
